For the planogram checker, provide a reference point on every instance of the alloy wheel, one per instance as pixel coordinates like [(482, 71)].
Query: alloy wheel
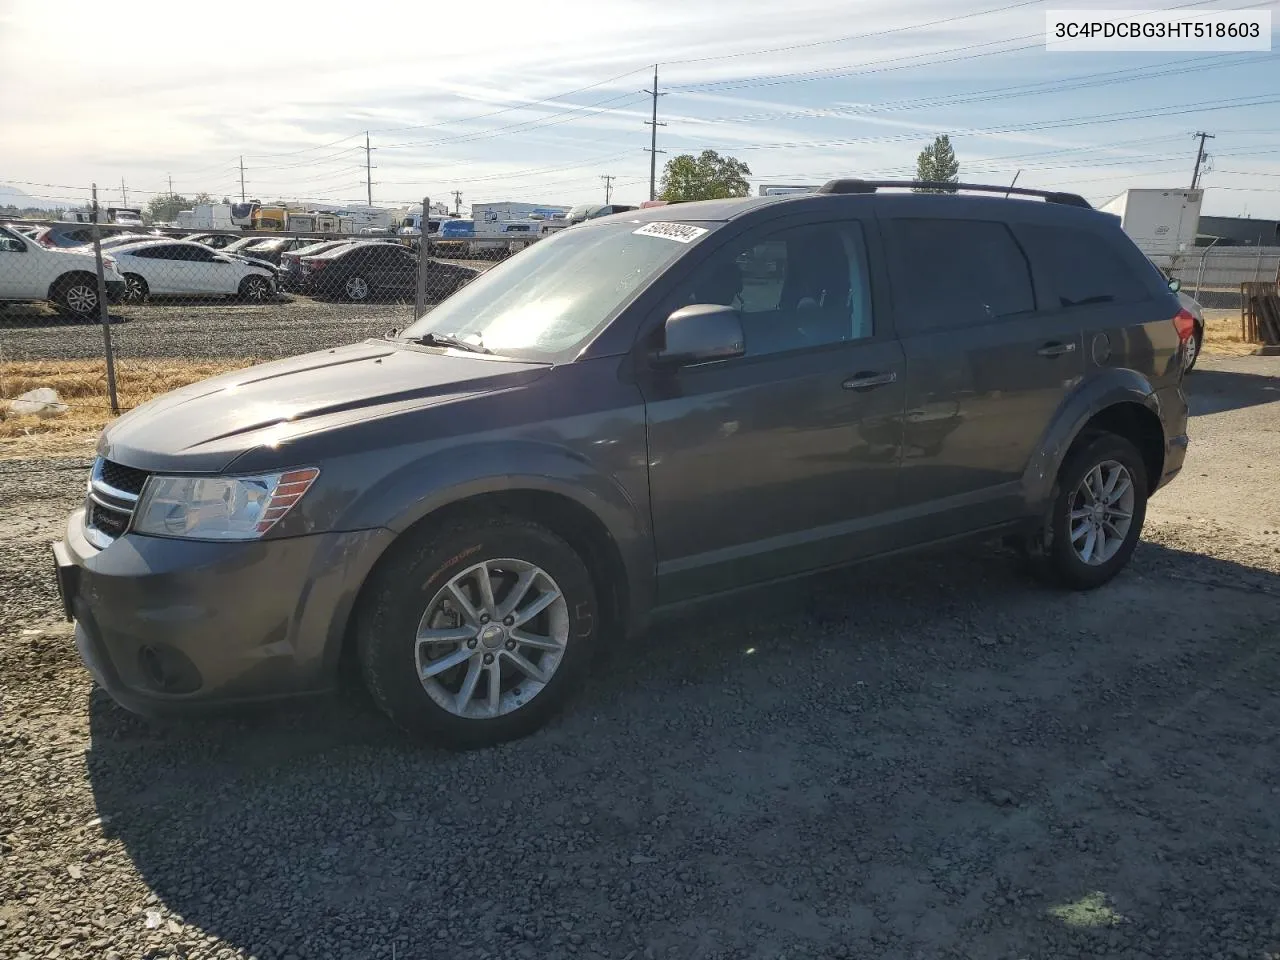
[(82, 298), (357, 288), (1102, 512), (492, 638)]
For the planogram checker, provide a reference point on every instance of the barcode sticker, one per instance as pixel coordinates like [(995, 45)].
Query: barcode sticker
[(679, 232)]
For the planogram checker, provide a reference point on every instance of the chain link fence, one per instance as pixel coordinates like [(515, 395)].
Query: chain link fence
[(96, 319)]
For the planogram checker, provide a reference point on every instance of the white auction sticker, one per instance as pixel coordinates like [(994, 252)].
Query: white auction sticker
[(679, 232), (1155, 30)]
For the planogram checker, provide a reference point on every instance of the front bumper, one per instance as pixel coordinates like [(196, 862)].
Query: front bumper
[(166, 626)]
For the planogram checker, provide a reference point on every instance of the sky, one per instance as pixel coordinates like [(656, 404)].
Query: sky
[(522, 101)]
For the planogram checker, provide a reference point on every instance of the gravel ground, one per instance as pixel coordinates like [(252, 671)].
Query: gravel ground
[(929, 757)]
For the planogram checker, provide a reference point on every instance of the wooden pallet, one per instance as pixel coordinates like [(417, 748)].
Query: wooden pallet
[(1260, 313)]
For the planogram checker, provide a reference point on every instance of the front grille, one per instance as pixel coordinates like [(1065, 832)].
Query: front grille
[(113, 493), (117, 475), (110, 522)]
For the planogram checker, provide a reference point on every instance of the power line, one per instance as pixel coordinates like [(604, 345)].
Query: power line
[(859, 36), (608, 186)]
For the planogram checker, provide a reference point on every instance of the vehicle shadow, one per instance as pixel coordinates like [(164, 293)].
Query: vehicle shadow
[(908, 751), (1216, 391), (39, 315)]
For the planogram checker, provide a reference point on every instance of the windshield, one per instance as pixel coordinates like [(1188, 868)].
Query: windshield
[(548, 301)]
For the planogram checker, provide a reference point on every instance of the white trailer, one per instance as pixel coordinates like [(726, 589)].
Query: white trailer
[(1163, 223), (207, 216)]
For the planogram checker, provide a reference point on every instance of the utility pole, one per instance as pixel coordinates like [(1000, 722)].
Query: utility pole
[(653, 136), (457, 203), (171, 184), (368, 167), (124, 194), (608, 186), (242, 178), (1200, 157)]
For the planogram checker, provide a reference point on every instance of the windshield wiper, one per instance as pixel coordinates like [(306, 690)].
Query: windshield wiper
[(446, 340)]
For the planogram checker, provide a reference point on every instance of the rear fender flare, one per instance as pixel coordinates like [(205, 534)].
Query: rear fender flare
[(1088, 399)]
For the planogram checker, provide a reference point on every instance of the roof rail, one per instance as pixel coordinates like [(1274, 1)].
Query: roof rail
[(871, 186)]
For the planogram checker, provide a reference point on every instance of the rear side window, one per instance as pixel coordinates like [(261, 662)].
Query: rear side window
[(951, 274), (1084, 266)]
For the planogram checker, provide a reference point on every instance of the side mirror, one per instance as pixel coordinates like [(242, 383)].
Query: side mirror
[(1175, 284), (700, 333)]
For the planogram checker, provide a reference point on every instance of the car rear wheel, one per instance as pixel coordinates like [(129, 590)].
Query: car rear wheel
[(356, 288), (1099, 504), (78, 297), (135, 288), (255, 289), (479, 632), (1193, 349)]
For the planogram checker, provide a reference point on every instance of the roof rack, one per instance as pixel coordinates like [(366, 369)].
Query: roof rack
[(871, 186)]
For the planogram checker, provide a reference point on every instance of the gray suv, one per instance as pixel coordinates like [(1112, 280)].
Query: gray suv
[(645, 410)]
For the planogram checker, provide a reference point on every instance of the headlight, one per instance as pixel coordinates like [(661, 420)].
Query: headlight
[(219, 508)]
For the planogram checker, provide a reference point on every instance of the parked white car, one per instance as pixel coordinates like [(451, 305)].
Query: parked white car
[(178, 268), (67, 277)]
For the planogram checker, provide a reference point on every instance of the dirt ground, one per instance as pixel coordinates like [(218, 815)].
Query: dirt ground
[(921, 758)]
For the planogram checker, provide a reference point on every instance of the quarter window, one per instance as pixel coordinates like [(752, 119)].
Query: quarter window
[(952, 274), (1084, 266)]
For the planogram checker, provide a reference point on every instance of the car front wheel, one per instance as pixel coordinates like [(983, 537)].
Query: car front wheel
[(255, 289), (479, 632), (1099, 504), (79, 297)]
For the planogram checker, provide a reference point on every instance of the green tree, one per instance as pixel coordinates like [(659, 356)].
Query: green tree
[(164, 207), (708, 176), (203, 197), (937, 162)]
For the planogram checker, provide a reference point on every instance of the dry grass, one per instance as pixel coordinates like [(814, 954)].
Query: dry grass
[(1222, 335), (82, 385)]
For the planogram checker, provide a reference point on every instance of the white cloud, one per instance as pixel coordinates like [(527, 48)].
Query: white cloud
[(173, 89)]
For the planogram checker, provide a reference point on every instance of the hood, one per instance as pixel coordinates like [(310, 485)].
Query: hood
[(203, 427)]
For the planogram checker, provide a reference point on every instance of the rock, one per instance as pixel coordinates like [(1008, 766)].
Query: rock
[(42, 402)]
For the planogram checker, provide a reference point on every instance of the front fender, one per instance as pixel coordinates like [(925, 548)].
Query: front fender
[(1106, 389), (422, 486)]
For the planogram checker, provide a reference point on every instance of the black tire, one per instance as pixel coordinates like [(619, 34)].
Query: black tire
[(255, 289), (1197, 344), (1049, 552), (135, 288), (402, 590), (77, 296)]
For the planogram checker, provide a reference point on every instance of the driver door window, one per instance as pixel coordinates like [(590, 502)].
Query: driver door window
[(797, 288)]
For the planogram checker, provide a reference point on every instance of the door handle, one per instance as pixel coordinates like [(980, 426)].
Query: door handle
[(1056, 349), (869, 381)]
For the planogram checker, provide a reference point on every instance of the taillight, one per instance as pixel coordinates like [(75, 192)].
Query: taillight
[(317, 264), (1185, 324)]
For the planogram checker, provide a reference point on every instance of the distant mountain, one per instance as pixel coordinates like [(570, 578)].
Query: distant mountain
[(14, 197)]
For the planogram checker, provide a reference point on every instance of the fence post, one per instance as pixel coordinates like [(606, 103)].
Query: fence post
[(1257, 268), (103, 307), (424, 257), (1204, 256)]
